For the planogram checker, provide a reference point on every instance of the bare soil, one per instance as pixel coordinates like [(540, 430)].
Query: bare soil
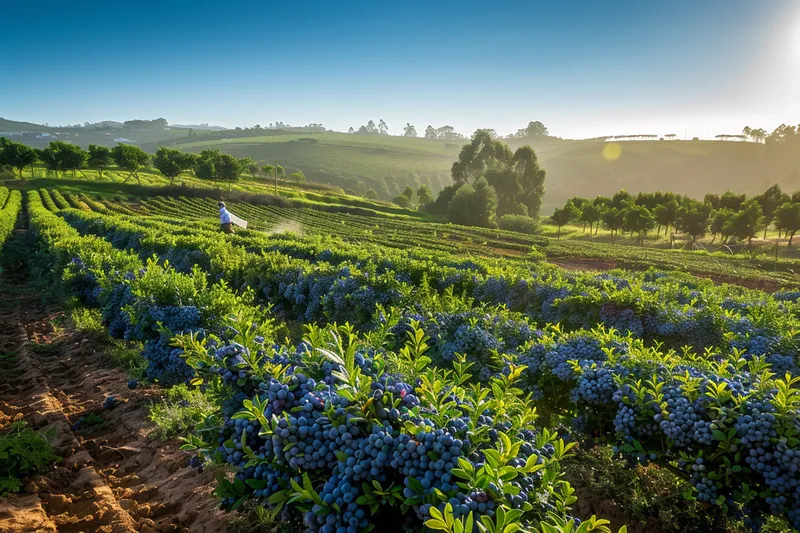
[(113, 478)]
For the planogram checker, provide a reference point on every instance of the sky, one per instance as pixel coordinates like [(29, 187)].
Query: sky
[(583, 68)]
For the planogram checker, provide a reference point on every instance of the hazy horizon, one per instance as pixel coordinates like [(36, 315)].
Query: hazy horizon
[(618, 68)]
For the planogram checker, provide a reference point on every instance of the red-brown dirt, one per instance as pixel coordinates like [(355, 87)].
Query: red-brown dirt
[(115, 479)]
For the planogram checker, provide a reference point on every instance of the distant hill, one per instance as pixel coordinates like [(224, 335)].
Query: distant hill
[(388, 163), (9, 126), (574, 167)]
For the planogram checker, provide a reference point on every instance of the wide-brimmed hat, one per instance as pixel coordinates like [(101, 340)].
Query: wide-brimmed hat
[(222, 204)]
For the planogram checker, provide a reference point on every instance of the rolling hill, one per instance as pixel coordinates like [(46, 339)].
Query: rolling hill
[(573, 167), (388, 163)]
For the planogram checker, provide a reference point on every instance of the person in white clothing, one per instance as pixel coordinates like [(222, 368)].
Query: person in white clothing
[(225, 219)]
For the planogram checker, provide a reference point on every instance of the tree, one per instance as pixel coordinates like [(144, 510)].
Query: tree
[(130, 158), (517, 178), (769, 201), (99, 158), (562, 217), (747, 222), (666, 215), (531, 176), (371, 194), (692, 219), (248, 165), (298, 176), (383, 129), (719, 223), (731, 200), (409, 130), (167, 161), (787, 218), (536, 129), (17, 155), (424, 195), (613, 219), (402, 200), (637, 219), (589, 214), (430, 133), (480, 155), (712, 200), (371, 128), (621, 199), (351, 130), (63, 156), (474, 205)]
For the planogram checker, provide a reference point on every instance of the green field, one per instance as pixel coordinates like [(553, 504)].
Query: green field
[(574, 168), (390, 163)]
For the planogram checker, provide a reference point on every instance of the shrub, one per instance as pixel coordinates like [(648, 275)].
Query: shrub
[(519, 223)]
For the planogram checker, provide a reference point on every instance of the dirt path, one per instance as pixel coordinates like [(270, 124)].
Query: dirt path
[(113, 478)]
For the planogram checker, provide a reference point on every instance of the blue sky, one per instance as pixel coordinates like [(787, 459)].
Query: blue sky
[(584, 68)]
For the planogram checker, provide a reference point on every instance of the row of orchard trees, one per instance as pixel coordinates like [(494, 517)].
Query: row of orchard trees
[(61, 156), (729, 215)]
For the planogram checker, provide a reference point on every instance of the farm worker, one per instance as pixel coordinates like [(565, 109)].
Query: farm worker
[(225, 219)]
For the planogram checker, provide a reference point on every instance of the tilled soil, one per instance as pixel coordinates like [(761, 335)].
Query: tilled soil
[(113, 478)]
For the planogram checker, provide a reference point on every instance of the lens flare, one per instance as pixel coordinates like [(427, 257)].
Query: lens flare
[(612, 151)]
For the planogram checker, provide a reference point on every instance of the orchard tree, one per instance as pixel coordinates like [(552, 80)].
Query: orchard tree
[(63, 156), (613, 219), (621, 199), (17, 155), (130, 158), (666, 215), (167, 161), (747, 222), (731, 200), (692, 219), (712, 200), (787, 218), (637, 219), (562, 217), (409, 131), (769, 201), (720, 223), (99, 158), (590, 214)]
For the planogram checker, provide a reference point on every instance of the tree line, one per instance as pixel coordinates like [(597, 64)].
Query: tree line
[(729, 215), (63, 157)]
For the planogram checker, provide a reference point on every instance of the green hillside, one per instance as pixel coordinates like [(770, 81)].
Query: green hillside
[(389, 163), (573, 167), (386, 164)]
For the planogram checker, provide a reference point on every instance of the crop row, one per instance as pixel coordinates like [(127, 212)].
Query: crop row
[(723, 422), (10, 205), (480, 241), (153, 303)]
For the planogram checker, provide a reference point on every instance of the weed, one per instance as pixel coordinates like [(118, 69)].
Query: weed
[(179, 411)]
